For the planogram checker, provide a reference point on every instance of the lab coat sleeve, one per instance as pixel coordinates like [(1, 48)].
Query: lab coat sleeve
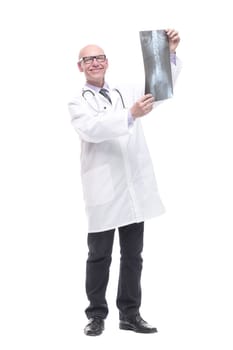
[(97, 126), (176, 68)]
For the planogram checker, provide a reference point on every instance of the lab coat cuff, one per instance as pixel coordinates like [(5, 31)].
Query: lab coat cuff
[(130, 119)]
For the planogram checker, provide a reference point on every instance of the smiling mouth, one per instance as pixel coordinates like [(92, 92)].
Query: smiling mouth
[(96, 70)]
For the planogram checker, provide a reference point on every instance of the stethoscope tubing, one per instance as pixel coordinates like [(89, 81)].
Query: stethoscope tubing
[(97, 104)]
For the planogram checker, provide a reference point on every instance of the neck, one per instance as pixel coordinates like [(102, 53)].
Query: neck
[(98, 84)]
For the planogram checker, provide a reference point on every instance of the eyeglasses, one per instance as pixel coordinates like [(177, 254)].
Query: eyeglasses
[(90, 59)]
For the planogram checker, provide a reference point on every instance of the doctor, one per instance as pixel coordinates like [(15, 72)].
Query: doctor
[(119, 185)]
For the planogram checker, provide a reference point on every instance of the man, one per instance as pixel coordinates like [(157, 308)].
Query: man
[(119, 185)]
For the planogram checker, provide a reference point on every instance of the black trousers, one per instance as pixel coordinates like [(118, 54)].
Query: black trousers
[(99, 259)]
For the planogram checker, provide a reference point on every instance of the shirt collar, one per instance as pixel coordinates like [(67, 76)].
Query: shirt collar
[(96, 88)]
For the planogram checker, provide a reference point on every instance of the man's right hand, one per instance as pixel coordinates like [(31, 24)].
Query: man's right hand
[(143, 106)]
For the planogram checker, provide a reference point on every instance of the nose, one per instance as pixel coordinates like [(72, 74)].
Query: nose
[(95, 61)]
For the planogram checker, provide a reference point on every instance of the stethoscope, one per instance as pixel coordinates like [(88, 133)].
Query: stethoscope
[(98, 109)]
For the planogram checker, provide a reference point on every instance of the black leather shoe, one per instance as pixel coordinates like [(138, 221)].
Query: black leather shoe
[(95, 326), (136, 324)]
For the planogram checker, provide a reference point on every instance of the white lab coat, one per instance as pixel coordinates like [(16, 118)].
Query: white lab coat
[(119, 184)]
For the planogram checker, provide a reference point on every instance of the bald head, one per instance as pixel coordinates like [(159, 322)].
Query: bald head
[(91, 50)]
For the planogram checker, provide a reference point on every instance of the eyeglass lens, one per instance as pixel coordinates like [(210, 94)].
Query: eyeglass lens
[(90, 59)]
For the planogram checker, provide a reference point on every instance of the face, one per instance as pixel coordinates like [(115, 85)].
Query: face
[(93, 63)]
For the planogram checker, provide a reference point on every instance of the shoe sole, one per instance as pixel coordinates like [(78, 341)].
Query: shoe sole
[(93, 334), (127, 327)]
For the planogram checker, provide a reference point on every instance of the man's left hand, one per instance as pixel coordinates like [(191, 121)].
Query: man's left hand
[(173, 38)]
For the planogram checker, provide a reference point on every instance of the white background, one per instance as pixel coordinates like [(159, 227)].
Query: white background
[(187, 276)]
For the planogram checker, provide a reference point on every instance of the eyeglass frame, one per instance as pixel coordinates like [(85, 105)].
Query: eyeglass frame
[(99, 58)]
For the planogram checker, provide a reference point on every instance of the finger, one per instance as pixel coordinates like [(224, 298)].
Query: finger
[(169, 31), (174, 36), (147, 97), (148, 103), (172, 33)]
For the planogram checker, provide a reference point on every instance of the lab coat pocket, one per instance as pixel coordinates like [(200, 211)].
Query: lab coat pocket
[(98, 186)]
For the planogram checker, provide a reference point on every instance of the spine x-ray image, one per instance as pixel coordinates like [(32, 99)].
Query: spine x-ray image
[(157, 66)]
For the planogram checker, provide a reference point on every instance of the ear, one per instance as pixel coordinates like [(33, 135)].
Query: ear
[(79, 64)]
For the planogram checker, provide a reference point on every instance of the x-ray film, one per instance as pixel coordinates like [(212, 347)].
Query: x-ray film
[(157, 66)]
